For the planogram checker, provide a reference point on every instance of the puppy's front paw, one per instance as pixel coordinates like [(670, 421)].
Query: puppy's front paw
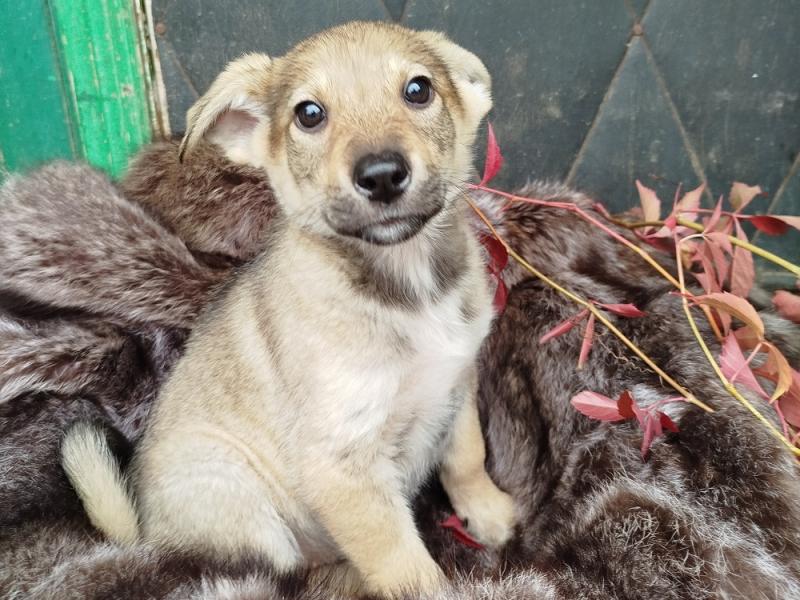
[(408, 576), (488, 512)]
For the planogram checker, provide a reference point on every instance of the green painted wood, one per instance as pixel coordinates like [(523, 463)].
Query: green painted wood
[(72, 83), (105, 78), (33, 115)]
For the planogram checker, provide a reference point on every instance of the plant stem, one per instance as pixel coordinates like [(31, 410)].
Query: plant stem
[(637, 249), (577, 209), (731, 389), (794, 269), (594, 310), (746, 364), (733, 239)]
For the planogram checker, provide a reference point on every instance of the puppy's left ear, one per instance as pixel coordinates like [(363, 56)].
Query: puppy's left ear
[(468, 72)]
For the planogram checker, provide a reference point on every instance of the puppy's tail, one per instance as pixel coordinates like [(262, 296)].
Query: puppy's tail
[(96, 476)]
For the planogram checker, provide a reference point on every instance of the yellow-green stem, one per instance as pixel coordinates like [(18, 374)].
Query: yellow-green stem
[(748, 246), (594, 310), (792, 268), (731, 389)]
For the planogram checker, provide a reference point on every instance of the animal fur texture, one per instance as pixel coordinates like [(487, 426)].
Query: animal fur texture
[(711, 514)]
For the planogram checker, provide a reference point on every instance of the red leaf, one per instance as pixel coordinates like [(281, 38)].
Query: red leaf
[(597, 406), (459, 531), (741, 195), (714, 218), (688, 205), (625, 405), (563, 327), (721, 264), (652, 429), (769, 225), (667, 423), (747, 338), (707, 281), (736, 306), (735, 368), (500, 294), (789, 220), (743, 273), (790, 403), (494, 159), (498, 253), (651, 205), (791, 410), (708, 278), (721, 239), (586, 344), (787, 304), (624, 310), (777, 368)]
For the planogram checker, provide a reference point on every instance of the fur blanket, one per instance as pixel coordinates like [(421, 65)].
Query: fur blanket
[(99, 286)]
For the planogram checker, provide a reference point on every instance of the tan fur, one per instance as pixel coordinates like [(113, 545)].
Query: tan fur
[(318, 393), (90, 466), (466, 481)]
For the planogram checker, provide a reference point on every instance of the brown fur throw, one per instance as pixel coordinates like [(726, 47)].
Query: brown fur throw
[(99, 287)]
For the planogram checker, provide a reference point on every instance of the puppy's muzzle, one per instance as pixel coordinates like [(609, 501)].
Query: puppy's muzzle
[(382, 177)]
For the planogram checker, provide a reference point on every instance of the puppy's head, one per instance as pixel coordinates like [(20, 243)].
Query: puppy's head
[(365, 130)]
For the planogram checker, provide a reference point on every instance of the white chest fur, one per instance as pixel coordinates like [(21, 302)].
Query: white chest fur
[(442, 346), (372, 379)]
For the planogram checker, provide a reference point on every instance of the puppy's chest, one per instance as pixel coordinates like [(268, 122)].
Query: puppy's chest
[(439, 346)]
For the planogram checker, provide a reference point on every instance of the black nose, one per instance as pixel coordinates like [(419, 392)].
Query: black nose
[(381, 177)]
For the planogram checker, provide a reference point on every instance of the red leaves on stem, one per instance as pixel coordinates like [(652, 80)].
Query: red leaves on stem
[(743, 272), (735, 306), (623, 310), (651, 418), (564, 326), (736, 367), (769, 225), (498, 253), (718, 264), (597, 406)]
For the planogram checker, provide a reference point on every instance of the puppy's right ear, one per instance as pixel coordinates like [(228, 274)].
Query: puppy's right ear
[(230, 111)]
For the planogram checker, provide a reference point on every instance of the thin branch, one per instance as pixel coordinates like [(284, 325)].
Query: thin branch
[(748, 246), (593, 309), (577, 209), (637, 249), (731, 389), (733, 239)]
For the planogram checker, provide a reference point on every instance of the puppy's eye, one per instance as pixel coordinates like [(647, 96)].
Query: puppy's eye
[(418, 91), (309, 115)]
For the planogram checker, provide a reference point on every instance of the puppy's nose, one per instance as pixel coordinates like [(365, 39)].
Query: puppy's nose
[(381, 177)]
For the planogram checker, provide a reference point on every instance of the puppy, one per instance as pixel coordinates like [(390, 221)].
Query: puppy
[(339, 368)]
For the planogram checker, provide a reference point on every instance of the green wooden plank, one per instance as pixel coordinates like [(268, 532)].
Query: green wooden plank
[(34, 126), (105, 78)]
